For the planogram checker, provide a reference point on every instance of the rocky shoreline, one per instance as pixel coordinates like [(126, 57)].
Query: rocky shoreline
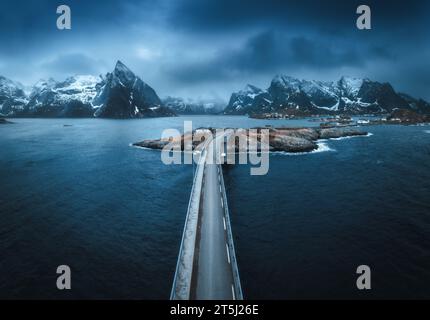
[(4, 121), (292, 140)]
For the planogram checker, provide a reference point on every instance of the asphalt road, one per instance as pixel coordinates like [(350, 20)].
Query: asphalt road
[(214, 275)]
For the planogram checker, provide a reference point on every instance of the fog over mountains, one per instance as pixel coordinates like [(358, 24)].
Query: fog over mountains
[(193, 106), (123, 95)]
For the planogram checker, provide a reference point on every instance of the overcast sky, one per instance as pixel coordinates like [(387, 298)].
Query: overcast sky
[(210, 48)]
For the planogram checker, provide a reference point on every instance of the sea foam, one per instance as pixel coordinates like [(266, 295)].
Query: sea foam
[(350, 137), (322, 147)]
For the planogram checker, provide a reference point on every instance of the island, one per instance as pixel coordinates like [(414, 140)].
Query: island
[(292, 140)]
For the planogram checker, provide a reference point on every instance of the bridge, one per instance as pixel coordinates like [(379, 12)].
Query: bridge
[(207, 266)]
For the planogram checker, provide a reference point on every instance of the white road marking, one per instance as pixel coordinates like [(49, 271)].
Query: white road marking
[(232, 292), (222, 203), (225, 226), (228, 254), (220, 189)]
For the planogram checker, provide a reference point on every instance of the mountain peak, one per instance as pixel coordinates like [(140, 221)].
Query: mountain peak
[(249, 88), (124, 95), (286, 81), (9, 82), (351, 85), (120, 66), (349, 95), (118, 94), (123, 73)]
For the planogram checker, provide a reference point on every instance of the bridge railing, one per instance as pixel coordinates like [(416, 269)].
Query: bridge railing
[(183, 275), (230, 242)]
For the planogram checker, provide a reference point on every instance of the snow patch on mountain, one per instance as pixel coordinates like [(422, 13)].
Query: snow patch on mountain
[(84, 96), (82, 88), (12, 96), (288, 95), (351, 86)]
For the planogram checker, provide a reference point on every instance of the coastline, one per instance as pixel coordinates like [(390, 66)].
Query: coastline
[(289, 140)]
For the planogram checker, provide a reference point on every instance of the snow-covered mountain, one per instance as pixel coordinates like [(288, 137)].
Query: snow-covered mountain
[(193, 106), (289, 95), (242, 102), (120, 94), (12, 96), (124, 95), (70, 98)]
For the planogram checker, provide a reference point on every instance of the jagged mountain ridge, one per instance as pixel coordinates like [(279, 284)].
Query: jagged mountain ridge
[(12, 95), (124, 95), (291, 96), (119, 94), (70, 98)]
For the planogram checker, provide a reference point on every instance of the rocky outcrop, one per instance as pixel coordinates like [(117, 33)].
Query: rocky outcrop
[(304, 133), (280, 142), (291, 140), (339, 132)]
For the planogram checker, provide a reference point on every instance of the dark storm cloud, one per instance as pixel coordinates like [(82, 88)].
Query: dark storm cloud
[(311, 36), (197, 46), (32, 47), (26, 23), (75, 63), (308, 53), (271, 52), (327, 15)]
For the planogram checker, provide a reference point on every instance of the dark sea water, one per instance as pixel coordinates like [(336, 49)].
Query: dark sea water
[(302, 230), (82, 196)]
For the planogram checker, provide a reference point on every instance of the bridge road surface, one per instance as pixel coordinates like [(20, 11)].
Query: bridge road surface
[(214, 274)]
